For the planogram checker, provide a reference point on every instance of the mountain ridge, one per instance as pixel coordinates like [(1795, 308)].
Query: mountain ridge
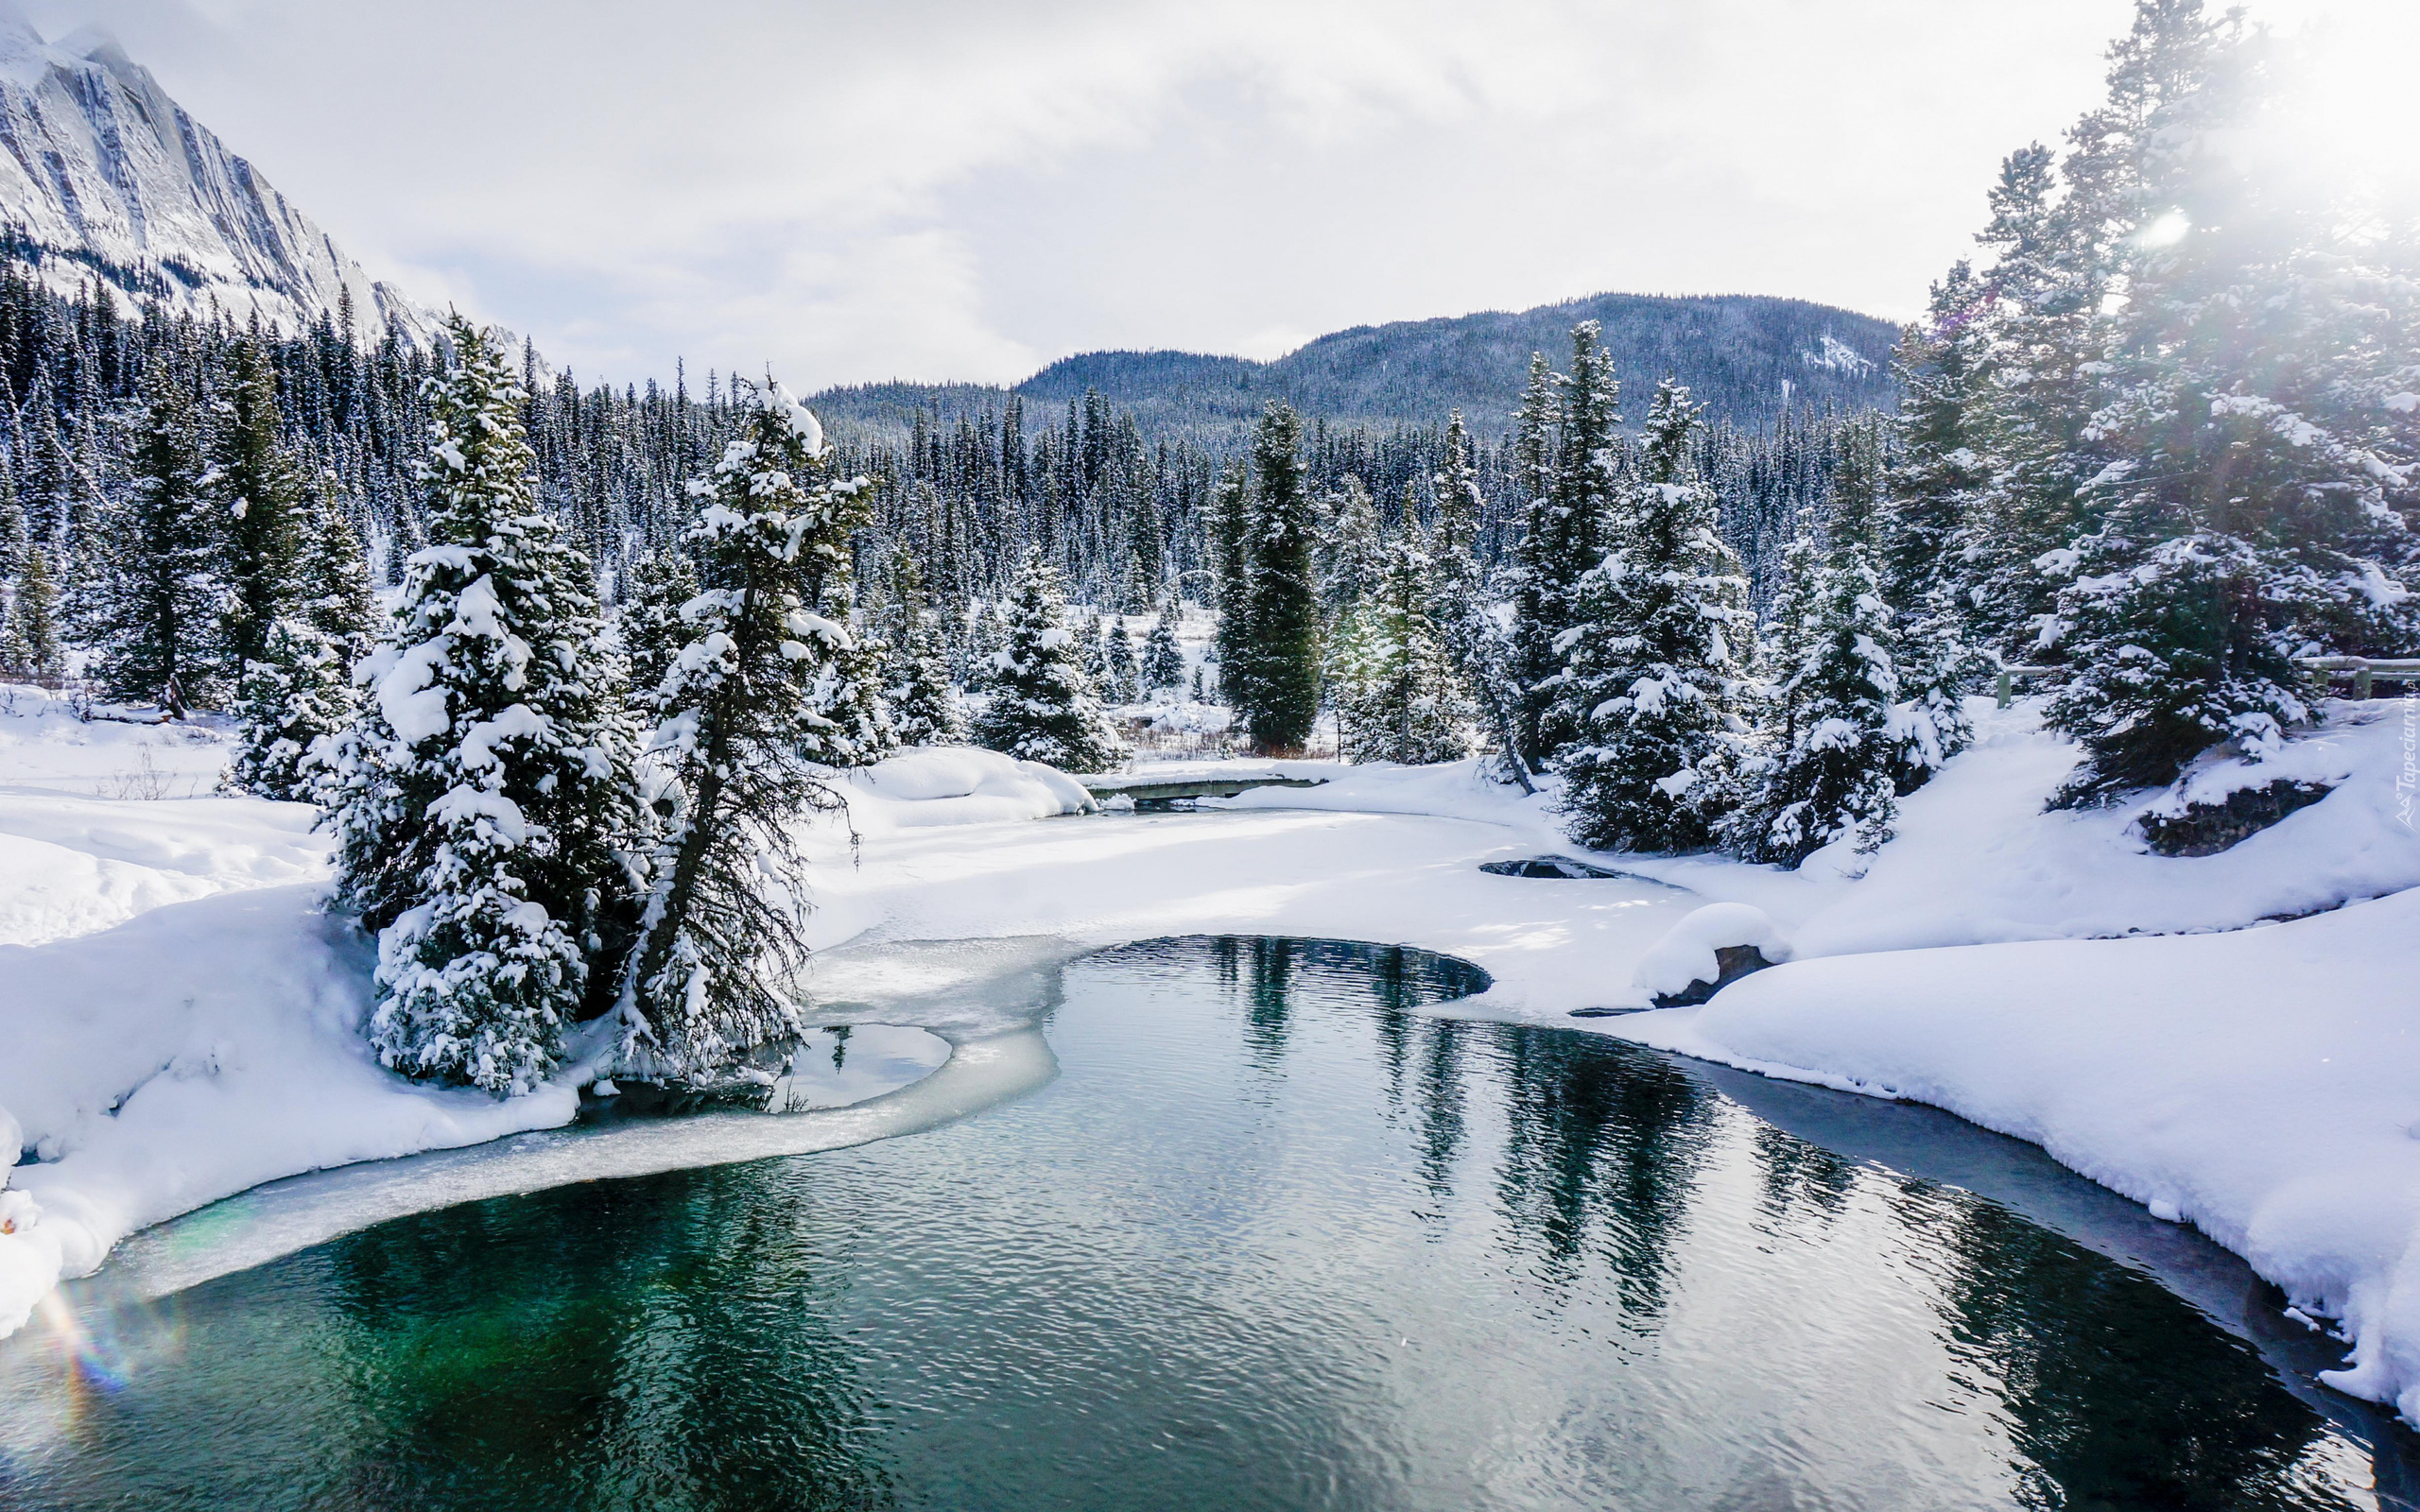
[(103, 176), (1747, 357)]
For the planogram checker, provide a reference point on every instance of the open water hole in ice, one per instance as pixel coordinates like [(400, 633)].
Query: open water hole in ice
[(1273, 1237)]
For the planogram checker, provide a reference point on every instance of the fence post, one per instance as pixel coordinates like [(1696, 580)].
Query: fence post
[(2005, 687), (2361, 682)]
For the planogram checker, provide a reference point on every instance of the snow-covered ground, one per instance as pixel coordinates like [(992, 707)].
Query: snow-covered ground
[(178, 1020)]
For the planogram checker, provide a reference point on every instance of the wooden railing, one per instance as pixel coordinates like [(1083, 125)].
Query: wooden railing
[(2363, 670)]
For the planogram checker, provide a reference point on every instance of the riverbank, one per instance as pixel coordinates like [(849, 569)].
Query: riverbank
[(179, 1022)]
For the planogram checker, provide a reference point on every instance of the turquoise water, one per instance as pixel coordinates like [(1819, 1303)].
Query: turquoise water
[(1271, 1238)]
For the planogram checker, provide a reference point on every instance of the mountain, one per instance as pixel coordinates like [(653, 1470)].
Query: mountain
[(1747, 356), (106, 177)]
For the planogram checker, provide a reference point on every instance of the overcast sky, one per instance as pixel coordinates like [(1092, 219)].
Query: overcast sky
[(938, 189)]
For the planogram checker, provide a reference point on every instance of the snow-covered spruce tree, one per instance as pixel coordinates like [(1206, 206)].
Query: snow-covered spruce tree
[(158, 599), (1653, 658), (2255, 412), (257, 495), (648, 631), (1043, 707), (1396, 694), (1568, 438), (1828, 776), (1162, 658), (299, 691), (2178, 645), (1466, 624), (1352, 557), (925, 709), (735, 756), (1282, 598), (296, 692), (849, 696), (483, 799), (1125, 661), (1228, 537), (29, 643)]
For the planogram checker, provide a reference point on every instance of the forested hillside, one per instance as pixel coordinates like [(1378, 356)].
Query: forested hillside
[(1749, 359)]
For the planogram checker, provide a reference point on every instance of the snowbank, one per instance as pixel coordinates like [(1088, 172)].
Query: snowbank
[(1975, 859), (2263, 1084), (959, 784), (1686, 954), (193, 1052)]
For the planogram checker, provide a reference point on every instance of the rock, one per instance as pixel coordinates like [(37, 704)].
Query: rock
[(1560, 867), (1732, 962), (2206, 829), (1707, 951)]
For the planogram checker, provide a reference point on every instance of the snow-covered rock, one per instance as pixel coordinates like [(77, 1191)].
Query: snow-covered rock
[(1689, 954), (111, 178)]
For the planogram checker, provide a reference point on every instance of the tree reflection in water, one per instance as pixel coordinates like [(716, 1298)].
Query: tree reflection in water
[(1277, 1237)]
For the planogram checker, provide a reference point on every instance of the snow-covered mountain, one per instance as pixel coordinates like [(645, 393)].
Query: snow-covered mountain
[(106, 177)]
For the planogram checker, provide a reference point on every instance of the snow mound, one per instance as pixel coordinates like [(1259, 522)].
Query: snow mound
[(2257, 1083), (1686, 954), (959, 784)]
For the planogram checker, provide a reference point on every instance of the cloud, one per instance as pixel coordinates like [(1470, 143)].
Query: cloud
[(957, 190)]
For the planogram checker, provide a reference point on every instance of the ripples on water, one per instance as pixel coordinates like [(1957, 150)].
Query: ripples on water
[(1272, 1239)]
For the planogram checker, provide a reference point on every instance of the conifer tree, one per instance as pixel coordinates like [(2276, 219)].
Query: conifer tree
[(1125, 662), (1475, 644), (925, 708), (1229, 530), (159, 594), (1397, 696), (1566, 527), (1282, 608), (1042, 706), (484, 803), (1653, 658), (297, 692), (735, 750), (257, 496), (29, 642), (1829, 776), (1162, 658), (1352, 557), (649, 630)]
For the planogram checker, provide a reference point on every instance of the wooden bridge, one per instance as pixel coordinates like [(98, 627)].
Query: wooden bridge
[(2363, 670), (1162, 793)]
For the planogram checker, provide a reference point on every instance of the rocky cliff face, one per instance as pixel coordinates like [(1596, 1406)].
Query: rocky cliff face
[(105, 177)]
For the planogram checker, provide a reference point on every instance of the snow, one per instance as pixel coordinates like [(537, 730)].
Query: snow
[(2258, 1084), (1687, 954), (179, 1019)]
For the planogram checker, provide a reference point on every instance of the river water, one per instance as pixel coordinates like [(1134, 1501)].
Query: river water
[(1269, 1237)]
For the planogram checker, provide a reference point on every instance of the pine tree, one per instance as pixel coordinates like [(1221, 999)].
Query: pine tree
[(1397, 696), (1566, 527), (1229, 531), (649, 630), (159, 593), (258, 500), (1353, 560), (296, 694), (1042, 705), (1162, 658), (1829, 776), (736, 750), (29, 644), (1125, 682), (925, 708), (1282, 609), (2178, 645), (1466, 624), (1653, 658), (484, 800)]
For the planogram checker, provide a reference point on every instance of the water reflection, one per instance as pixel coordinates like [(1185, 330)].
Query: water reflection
[(1273, 1238)]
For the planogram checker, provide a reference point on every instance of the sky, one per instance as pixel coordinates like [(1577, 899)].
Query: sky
[(955, 189)]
